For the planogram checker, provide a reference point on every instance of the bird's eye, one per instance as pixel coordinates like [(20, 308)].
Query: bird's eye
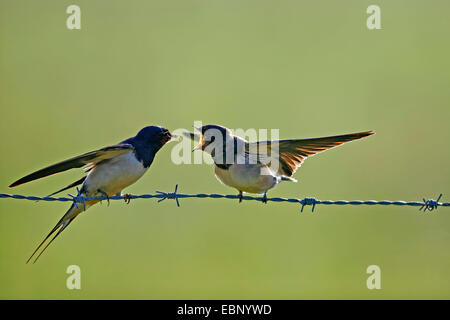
[(212, 139)]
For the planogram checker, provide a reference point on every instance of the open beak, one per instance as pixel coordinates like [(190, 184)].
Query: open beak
[(169, 136), (201, 142)]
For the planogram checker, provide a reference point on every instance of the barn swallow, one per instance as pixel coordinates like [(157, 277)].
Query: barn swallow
[(109, 170), (256, 167)]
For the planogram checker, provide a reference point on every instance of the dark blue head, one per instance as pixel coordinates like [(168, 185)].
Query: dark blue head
[(154, 135), (148, 141)]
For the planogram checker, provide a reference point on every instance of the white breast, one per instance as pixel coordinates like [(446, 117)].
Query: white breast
[(114, 175), (253, 178)]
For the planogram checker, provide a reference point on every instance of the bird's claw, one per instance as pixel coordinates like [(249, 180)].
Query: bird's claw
[(240, 196), (264, 198), (127, 197), (103, 193)]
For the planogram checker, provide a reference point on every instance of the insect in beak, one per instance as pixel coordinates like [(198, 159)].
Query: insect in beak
[(174, 137)]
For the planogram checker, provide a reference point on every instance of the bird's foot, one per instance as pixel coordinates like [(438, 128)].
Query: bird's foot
[(240, 196), (264, 198), (103, 193), (127, 197)]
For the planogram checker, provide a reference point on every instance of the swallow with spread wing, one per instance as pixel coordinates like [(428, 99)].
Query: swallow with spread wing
[(109, 171), (256, 167)]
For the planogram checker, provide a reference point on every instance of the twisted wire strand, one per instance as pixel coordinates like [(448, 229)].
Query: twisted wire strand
[(426, 204)]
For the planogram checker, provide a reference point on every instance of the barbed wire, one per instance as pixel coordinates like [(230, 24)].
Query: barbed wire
[(426, 204)]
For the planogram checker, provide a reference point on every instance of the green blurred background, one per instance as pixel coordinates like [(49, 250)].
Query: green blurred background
[(307, 68)]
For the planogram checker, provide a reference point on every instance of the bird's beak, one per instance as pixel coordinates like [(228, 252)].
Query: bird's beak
[(200, 144), (174, 137)]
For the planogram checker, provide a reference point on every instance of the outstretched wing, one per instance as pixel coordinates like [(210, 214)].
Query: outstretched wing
[(87, 160), (293, 152)]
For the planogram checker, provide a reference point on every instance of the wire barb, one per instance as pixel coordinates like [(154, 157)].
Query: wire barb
[(169, 195), (430, 204), (308, 202), (78, 199), (425, 205)]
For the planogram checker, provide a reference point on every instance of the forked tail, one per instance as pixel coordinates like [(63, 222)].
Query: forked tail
[(70, 215)]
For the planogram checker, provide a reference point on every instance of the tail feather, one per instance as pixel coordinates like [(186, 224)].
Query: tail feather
[(48, 236), (70, 215), (57, 234)]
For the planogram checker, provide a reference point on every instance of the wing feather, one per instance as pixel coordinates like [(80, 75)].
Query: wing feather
[(87, 160), (293, 152), (74, 184)]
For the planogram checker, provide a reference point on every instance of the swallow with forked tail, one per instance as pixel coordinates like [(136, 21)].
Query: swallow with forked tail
[(109, 171), (256, 167)]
